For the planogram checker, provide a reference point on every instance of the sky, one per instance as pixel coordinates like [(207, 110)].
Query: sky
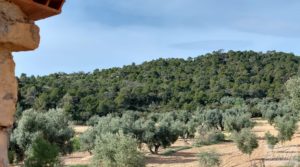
[(100, 34)]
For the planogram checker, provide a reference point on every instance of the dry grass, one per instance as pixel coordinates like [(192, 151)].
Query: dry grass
[(80, 129)]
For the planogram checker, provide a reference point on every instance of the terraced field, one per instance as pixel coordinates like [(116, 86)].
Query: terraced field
[(286, 154)]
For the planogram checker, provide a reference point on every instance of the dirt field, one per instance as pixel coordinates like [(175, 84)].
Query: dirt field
[(231, 157), (81, 129)]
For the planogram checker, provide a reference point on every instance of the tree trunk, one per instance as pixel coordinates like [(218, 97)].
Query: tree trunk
[(222, 127), (150, 149), (156, 148), (185, 139)]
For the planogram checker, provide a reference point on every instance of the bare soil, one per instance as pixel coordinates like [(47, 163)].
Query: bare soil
[(281, 155)]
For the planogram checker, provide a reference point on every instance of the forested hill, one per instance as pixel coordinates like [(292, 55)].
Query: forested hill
[(163, 84)]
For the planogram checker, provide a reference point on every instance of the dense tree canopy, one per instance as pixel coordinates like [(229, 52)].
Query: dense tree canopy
[(162, 85)]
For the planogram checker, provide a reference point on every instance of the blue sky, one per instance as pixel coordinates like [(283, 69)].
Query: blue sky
[(92, 34)]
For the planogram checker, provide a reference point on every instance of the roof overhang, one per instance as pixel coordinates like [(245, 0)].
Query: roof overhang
[(40, 9)]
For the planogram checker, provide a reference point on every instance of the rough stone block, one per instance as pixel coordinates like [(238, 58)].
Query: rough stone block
[(17, 33), (19, 37), (8, 89)]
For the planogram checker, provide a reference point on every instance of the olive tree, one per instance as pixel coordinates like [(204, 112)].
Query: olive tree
[(186, 124), (286, 127), (236, 122), (158, 134), (278, 110), (108, 124), (214, 118), (246, 141), (117, 150), (53, 126)]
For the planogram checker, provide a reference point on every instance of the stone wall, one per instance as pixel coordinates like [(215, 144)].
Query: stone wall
[(17, 33)]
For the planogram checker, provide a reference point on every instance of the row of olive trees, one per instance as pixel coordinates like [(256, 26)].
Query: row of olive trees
[(155, 130), (247, 141), (162, 129), (284, 115), (114, 140)]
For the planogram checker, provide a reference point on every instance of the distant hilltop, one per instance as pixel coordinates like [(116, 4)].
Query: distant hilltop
[(163, 84)]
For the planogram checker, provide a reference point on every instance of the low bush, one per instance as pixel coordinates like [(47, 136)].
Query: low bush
[(271, 140), (209, 159), (42, 154), (210, 137), (75, 144)]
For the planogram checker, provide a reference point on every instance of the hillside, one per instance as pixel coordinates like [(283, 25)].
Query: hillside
[(161, 85)]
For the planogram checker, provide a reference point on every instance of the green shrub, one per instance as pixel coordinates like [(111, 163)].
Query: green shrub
[(246, 141), (11, 156), (209, 159), (42, 154), (75, 144), (286, 127), (209, 137), (271, 140), (114, 150)]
